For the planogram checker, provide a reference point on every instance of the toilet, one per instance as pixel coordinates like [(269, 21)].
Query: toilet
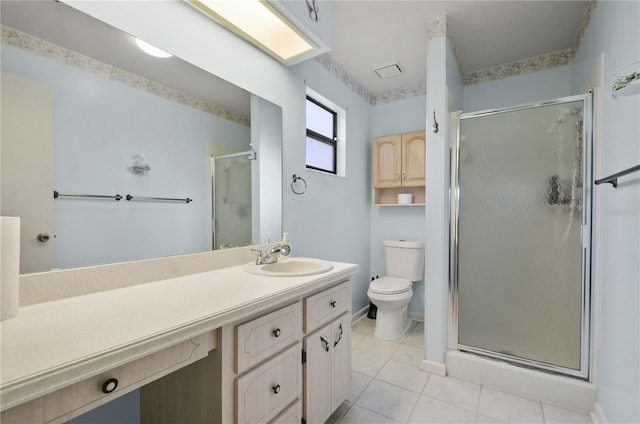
[(404, 260)]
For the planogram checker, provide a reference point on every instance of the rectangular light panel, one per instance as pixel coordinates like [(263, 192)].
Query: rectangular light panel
[(259, 24)]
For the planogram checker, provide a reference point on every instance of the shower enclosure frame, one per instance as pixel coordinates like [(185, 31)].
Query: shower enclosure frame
[(586, 269)]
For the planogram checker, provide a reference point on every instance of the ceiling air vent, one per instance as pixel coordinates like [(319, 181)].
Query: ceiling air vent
[(388, 71)]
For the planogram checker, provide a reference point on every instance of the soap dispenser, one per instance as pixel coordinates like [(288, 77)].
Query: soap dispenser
[(285, 248)]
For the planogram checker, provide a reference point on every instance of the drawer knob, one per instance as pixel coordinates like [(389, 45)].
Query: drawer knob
[(276, 389), (110, 385), (276, 332), (333, 303)]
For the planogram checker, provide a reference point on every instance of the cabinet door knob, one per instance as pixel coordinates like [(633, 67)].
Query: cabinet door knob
[(333, 303), (110, 385), (276, 332), (276, 389), (398, 176)]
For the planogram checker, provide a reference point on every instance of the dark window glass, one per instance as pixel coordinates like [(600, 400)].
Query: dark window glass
[(321, 136)]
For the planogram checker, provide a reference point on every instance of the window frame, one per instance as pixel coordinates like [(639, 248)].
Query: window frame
[(324, 139)]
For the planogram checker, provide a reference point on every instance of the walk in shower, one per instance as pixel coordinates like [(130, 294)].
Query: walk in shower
[(520, 235), (231, 182)]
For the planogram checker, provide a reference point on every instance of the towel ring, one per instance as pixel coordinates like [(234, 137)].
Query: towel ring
[(295, 178)]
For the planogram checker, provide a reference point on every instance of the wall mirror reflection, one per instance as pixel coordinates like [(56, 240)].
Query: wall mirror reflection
[(85, 111)]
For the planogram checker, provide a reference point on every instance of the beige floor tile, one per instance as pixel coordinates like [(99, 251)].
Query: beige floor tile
[(356, 338), (409, 355), (383, 348), (364, 325), (359, 415), (366, 362), (509, 408), (388, 400), (557, 415), (452, 390), (416, 337), (482, 419), (429, 410), (403, 375), (359, 382)]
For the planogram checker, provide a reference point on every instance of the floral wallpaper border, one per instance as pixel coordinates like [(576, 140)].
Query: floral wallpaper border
[(519, 67), (21, 40), (341, 74)]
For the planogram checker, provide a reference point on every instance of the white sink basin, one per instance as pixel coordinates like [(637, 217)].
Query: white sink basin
[(290, 267)]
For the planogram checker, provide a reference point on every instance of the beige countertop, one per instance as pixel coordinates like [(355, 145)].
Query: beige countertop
[(54, 344)]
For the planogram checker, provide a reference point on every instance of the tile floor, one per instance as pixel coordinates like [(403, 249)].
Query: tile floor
[(388, 387)]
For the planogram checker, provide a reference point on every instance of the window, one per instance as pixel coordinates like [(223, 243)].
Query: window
[(322, 137)]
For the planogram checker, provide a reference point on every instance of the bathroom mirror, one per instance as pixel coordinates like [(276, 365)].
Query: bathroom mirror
[(136, 136)]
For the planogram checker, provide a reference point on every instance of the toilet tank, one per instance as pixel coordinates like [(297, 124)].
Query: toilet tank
[(404, 259)]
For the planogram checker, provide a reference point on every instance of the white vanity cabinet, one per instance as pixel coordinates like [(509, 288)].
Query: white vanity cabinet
[(327, 351), (220, 346), (291, 364), (327, 369)]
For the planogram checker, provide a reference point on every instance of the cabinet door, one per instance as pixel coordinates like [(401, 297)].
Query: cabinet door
[(387, 161), (317, 376), (340, 360), (413, 159)]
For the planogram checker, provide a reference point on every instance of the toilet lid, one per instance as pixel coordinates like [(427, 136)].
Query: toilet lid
[(390, 285)]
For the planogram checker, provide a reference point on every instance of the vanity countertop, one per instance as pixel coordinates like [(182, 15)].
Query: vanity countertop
[(53, 344)]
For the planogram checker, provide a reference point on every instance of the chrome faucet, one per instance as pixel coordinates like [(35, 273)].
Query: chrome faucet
[(272, 255)]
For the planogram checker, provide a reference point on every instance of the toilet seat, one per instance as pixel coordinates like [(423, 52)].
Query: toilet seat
[(390, 285)]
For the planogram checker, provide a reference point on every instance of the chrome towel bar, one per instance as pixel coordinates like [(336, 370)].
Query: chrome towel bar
[(118, 197), (613, 179)]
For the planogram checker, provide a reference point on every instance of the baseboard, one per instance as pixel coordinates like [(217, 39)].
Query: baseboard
[(358, 315), (433, 367), (597, 416), (415, 316)]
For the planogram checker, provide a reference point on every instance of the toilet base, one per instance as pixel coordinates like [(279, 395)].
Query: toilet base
[(391, 325)]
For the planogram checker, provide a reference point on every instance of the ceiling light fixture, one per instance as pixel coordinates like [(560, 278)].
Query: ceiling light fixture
[(388, 70), (152, 50), (259, 23)]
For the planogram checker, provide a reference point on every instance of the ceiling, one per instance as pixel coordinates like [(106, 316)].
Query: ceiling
[(366, 34)]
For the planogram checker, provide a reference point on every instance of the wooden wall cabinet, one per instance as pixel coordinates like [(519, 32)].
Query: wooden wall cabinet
[(399, 162)]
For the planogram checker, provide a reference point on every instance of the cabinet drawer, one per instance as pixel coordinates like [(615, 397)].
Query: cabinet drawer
[(78, 398), (292, 415), (326, 305), (265, 392), (261, 338)]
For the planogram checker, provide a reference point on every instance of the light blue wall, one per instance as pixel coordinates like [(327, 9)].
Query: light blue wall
[(614, 34), (536, 86), (99, 125), (333, 215), (397, 222)]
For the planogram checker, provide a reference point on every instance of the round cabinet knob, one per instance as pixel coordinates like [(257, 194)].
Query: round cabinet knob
[(276, 332), (110, 385), (333, 303), (276, 389), (43, 237)]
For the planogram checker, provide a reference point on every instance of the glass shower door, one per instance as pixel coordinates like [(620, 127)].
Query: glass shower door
[(231, 200), (521, 266)]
